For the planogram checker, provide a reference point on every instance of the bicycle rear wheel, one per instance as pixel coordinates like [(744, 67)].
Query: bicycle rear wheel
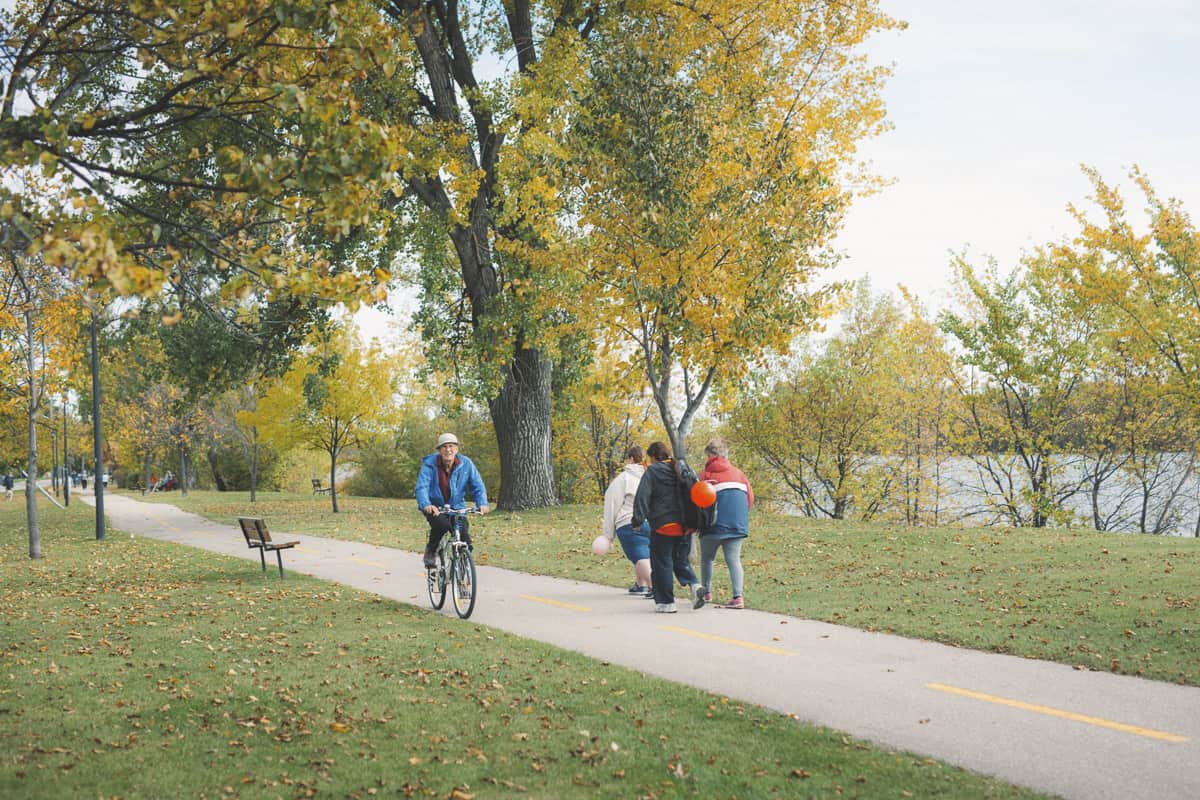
[(435, 581), (462, 582)]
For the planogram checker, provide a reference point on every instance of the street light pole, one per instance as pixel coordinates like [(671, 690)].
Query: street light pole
[(98, 476), (66, 470)]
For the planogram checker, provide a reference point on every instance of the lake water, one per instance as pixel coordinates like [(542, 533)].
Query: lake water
[(1165, 501)]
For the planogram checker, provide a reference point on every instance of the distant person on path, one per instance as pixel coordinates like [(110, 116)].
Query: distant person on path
[(8, 484), (734, 499), (618, 513), (658, 501), (443, 480)]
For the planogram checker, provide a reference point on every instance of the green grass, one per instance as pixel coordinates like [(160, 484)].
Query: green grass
[(138, 668), (1120, 602)]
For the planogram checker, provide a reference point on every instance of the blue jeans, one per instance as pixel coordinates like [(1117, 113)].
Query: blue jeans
[(732, 550), (670, 556)]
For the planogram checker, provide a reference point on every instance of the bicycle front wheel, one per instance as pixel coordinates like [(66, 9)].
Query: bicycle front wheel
[(462, 583), (435, 581)]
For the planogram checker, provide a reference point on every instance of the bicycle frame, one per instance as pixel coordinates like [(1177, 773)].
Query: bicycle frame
[(454, 537), (456, 567)]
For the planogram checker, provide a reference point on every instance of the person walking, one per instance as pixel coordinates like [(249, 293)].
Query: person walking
[(443, 480), (734, 499), (657, 501), (618, 514), (8, 484)]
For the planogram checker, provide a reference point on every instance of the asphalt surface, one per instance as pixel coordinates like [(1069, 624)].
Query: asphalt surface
[(1074, 733)]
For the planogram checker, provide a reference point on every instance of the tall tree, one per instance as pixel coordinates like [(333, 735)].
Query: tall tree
[(494, 299), (328, 399), (926, 401), (1026, 345), (1143, 283), (820, 430), (39, 323), (714, 141)]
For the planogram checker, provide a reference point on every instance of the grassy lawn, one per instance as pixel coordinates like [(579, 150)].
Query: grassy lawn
[(1119, 602), (137, 668)]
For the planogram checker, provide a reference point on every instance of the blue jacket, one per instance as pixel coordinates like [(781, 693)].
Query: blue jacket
[(429, 489), (734, 498)]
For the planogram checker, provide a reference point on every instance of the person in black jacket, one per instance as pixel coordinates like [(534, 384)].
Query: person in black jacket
[(658, 501)]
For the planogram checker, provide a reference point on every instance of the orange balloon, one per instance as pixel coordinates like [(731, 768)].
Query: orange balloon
[(703, 494)]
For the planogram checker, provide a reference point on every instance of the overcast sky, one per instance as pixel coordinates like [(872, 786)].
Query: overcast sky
[(996, 106)]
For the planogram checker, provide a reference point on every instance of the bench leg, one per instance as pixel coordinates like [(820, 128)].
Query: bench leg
[(263, 558), (279, 556)]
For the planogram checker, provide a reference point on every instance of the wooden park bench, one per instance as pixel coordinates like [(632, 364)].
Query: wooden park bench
[(318, 488), (257, 536)]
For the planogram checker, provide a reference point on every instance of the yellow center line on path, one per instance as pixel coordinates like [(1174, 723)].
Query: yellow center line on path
[(1058, 712), (164, 523), (738, 642), (555, 603), (300, 549), (368, 563)]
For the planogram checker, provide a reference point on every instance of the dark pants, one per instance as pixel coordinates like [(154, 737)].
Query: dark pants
[(670, 556), (441, 524)]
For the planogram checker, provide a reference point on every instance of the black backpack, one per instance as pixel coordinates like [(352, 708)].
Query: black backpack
[(694, 517)]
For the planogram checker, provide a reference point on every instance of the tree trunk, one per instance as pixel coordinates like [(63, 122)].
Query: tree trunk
[(183, 473), (31, 510), (521, 411), (333, 477), (213, 467), (521, 417), (253, 463)]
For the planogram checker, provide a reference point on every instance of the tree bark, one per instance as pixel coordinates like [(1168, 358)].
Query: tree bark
[(215, 469), (333, 478), (521, 417), (254, 464), (183, 473), (31, 509)]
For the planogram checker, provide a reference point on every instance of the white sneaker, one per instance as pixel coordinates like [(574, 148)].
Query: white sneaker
[(664, 608), (697, 593)]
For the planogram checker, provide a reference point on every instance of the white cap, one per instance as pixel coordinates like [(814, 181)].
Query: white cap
[(447, 438)]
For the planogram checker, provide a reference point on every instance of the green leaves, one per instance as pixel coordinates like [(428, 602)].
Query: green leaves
[(212, 130)]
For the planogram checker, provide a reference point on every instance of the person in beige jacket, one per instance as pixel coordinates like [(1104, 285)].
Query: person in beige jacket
[(618, 512)]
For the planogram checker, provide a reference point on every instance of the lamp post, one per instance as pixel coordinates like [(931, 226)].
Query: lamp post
[(48, 423), (66, 469), (95, 421), (96, 433)]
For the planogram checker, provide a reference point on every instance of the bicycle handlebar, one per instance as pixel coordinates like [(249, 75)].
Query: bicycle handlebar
[(458, 512)]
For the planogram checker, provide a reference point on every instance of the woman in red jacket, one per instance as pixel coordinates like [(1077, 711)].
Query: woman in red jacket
[(734, 498)]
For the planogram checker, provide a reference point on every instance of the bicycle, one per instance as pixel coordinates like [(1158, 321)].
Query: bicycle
[(455, 568)]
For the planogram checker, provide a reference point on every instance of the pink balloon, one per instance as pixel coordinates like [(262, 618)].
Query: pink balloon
[(600, 545)]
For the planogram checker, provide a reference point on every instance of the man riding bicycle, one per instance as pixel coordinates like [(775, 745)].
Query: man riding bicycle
[(443, 480)]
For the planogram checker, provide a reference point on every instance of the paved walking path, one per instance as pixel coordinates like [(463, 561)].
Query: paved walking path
[(1079, 734)]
